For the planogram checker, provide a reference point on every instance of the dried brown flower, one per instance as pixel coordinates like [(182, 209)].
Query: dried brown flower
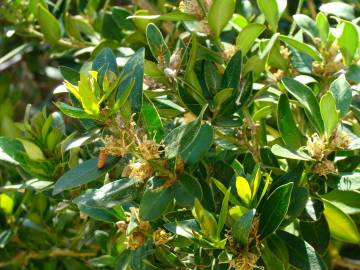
[(325, 167), (161, 237), (316, 146)]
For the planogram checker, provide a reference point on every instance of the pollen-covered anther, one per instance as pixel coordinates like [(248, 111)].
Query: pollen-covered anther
[(284, 51), (139, 171), (316, 146), (149, 149), (117, 147), (134, 240), (161, 237), (324, 168), (191, 7), (121, 226)]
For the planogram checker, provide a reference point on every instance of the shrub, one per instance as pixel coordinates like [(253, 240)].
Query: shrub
[(205, 134)]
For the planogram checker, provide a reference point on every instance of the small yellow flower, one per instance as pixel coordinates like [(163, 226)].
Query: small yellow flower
[(316, 146), (161, 237)]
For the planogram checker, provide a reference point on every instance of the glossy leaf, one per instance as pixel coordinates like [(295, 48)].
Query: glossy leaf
[(49, 25), (286, 123), (302, 47), (232, 73), (82, 174), (155, 201), (342, 92), (243, 190), (220, 13), (242, 226), (341, 226), (186, 189), (157, 44), (270, 216), (247, 37), (347, 201), (329, 113), (348, 41), (206, 220), (287, 152), (323, 26), (109, 195), (307, 24), (133, 70), (301, 254), (307, 99), (105, 60), (271, 12)]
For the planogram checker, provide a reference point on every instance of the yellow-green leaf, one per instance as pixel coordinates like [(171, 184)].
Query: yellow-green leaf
[(49, 25), (341, 226), (243, 190)]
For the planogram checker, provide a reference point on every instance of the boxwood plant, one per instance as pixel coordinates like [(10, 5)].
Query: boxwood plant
[(205, 134)]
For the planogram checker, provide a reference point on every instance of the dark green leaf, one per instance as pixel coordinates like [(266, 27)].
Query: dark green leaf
[(271, 217), (82, 174), (232, 73), (155, 200), (342, 93), (308, 100), (157, 44), (134, 67), (49, 25), (186, 189), (242, 226), (109, 195), (302, 255), (286, 123), (105, 60)]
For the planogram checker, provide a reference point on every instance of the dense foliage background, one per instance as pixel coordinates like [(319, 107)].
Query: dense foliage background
[(194, 134)]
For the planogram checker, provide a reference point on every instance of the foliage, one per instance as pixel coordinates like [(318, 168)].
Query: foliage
[(204, 134)]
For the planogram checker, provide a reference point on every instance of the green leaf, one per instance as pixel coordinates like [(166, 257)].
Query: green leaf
[(307, 24), (223, 213), (87, 96), (242, 226), (102, 261), (186, 189), (219, 15), (199, 145), (323, 26), (70, 75), (308, 100), (171, 16), (347, 201), (301, 254), (155, 200), (206, 220), (329, 113), (339, 9), (341, 226), (101, 214), (11, 150), (274, 210), (49, 25), (232, 73), (342, 92), (151, 121), (243, 190), (157, 44), (270, 10), (105, 60), (289, 132), (120, 17), (82, 174), (73, 111), (109, 195), (316, 233), (348, 41), (247, 37), (288, 152), (302, 47), (133, 70)]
